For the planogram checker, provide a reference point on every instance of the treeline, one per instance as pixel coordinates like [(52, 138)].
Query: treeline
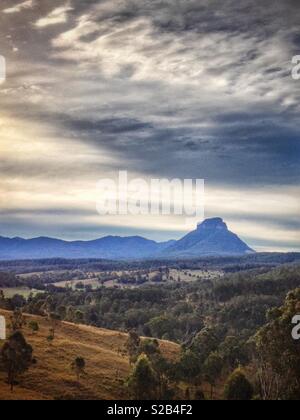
[(228, 264), (9, 280), (270, 283)]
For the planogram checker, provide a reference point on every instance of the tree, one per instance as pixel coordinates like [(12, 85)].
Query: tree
[(162, 325), (132, 346), (79, 316), (161, 366), (212, 370), (199, 395), (237, 387), (2, 296), (278, 354), (54, 319), (142, 381), (79, 367), (62, 311), (205, 343), (51, 336), (16, 357), (150, 347), (49, 305), (17, 301), (234, 353), (34, 326), (17, 320), (189, 369), (187, 395)]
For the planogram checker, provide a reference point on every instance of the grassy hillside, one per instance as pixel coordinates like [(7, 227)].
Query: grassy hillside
[(52, 376)]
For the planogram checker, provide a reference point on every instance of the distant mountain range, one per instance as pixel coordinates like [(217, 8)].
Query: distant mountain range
[(211, 237)]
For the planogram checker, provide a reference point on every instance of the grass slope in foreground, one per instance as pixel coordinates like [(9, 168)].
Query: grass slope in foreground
[(52, 376)]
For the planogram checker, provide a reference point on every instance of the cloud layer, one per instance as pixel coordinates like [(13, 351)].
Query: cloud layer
[(177, 89)]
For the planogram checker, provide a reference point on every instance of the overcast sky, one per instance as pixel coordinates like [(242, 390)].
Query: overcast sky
[(160, 88)]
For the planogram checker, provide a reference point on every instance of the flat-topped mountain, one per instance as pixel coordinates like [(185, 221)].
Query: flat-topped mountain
[(211, 237)]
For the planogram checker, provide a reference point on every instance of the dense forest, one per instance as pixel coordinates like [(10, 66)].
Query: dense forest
[(222, 324), (229, 264)]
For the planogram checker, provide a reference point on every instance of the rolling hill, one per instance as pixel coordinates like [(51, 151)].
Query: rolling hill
[(52, 377)]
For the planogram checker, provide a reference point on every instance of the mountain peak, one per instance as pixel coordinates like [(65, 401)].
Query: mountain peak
[(213, 224), (212, 237)]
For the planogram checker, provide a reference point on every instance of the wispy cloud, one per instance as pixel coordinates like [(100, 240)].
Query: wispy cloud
[(57, 16), (19, 7)]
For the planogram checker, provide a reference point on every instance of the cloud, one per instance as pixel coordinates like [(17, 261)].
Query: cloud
[(57, 16), (170, 89), (29, 4)]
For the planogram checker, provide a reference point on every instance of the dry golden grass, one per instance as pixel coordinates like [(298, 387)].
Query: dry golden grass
[(52, 376)]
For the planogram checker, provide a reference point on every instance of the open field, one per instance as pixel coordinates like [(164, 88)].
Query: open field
[(115, 279), (194, 275), (93, 283), (52, 377), (22, 291)]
